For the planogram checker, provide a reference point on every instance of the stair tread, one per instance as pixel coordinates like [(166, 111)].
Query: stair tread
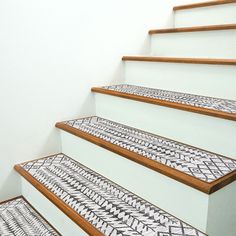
[(107, 207), (223, 108), (194, 29), (195, 167), (209, 61), (203, 4), (18, 217)]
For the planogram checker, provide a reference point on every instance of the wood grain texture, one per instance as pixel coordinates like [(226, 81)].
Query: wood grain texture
[(203, 4), (231, 62), (72, 214), (199, 110), (193, 29), (191, 181)]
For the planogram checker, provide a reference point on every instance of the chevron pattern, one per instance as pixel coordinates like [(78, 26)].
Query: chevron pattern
[(217, 104), (110, 208), (18, 218), (195, 162)]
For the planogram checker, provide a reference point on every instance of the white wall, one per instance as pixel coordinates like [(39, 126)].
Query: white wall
[(51, 53)]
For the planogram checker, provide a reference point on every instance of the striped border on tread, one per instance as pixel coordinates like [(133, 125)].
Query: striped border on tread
[(19, 217), (229, 62), (194, 29), (86, 128), (165, 102), (203, 4), (95, 203)]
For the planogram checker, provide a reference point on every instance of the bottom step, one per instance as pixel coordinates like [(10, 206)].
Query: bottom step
[(18, 217), (96, 204)]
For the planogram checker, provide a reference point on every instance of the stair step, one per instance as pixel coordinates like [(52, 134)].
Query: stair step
[(212, 41), (18, 217), (200, 169), (205, 13), (217, 107), (181, 60), (193, 29), (96, 204), (203, 4)]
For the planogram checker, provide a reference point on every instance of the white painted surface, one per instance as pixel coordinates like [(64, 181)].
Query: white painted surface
[(49, 211), (222, 212), (203, 44), (209, 80), (212, 15), (210, 133), (51, 54), (168, 194)]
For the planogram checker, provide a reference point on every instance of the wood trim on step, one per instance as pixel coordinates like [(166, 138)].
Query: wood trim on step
[(72, 214), (181, 60), (193, 29), (203, 4), (199, 110), (191, 181)]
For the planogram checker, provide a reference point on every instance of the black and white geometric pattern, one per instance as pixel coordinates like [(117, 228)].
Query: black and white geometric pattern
[(110, 208), (198, 163), (217, 104), (18, 218)]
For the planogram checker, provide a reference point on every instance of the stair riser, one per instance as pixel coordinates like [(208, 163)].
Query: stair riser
[(210, 133), (201, 210), (212, 15), (126, 172), (203, 44), (56, 217), (209, 80), (222, 209)]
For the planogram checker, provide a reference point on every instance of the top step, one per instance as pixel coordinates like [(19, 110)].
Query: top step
[(205, 13), (203, 4)]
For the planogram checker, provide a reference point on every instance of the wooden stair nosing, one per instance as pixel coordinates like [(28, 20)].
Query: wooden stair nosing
[(191, 181), (193, 29), (186, 60), (184, 107), (203, 4), (72, 214)]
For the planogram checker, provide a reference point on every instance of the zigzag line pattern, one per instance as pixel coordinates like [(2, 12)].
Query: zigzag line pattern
[(110, 208), (17, 218), (217, 104), (198, 163)]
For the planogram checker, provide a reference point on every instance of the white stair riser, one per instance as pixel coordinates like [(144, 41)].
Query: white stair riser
[(212, 15), (210, 133), (209, 80), (222, 209), (198, 209), (152, 186), (56, 217), (204, 44)]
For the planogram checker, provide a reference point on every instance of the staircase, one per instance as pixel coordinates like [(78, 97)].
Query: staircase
[(158, 158)]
